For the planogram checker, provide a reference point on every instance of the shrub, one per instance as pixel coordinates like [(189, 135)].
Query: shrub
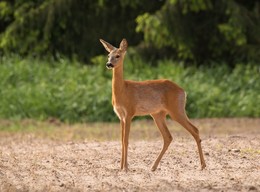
[(73, 92)]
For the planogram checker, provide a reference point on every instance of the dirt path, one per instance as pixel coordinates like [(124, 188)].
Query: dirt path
[(32, 164)]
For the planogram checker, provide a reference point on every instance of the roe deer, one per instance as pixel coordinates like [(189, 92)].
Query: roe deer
[(157, 98)]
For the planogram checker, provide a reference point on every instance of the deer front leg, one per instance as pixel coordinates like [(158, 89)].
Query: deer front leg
[(122, 123), (125, 137)]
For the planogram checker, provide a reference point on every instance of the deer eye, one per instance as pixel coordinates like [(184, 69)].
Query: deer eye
[(117, 56)]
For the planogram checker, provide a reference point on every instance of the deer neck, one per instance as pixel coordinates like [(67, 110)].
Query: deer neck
[(117, 82)]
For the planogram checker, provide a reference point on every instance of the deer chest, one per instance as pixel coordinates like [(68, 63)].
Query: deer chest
[(120, 111)]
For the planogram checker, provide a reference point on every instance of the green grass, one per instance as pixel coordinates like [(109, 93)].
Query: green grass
[(72, 92)]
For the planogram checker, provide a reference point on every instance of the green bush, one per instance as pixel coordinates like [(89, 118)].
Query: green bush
[(73, 92)]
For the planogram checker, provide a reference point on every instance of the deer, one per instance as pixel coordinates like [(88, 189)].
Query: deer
[(157, 98)]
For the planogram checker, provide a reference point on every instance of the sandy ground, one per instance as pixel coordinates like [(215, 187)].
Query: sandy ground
[(28, 163)]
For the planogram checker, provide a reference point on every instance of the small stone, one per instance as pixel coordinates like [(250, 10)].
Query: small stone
[(234, 150), (207, 153), (252, 188)]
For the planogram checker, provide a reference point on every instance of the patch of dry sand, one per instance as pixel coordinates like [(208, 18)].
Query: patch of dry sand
[(33, 164)]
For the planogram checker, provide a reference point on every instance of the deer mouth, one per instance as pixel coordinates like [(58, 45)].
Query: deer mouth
[(109, 65)]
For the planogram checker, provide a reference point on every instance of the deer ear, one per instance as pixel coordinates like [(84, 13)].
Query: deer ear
[(107, 45), (123, 45)]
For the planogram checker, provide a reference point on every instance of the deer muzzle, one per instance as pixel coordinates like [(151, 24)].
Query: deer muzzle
[(109, 65)]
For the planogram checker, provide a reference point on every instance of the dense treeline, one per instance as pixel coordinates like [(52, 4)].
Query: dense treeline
[(197, 31), (68, 27), (205, 30)]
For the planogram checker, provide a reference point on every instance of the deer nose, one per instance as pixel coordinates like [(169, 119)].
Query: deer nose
[(109, 65)]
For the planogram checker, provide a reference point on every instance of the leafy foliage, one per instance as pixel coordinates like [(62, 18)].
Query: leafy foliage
[(67, 27), (72, 92), (195, 31), (205, 30)]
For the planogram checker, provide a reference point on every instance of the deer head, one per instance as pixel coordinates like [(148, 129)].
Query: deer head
[(116, 55)]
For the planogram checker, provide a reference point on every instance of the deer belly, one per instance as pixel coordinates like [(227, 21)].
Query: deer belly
[(147, 108)]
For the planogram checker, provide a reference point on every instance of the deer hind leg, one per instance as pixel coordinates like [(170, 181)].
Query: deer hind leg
[(184, 121), (159, 120)]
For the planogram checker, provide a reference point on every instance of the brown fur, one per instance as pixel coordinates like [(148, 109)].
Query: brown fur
[(157, 98)]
